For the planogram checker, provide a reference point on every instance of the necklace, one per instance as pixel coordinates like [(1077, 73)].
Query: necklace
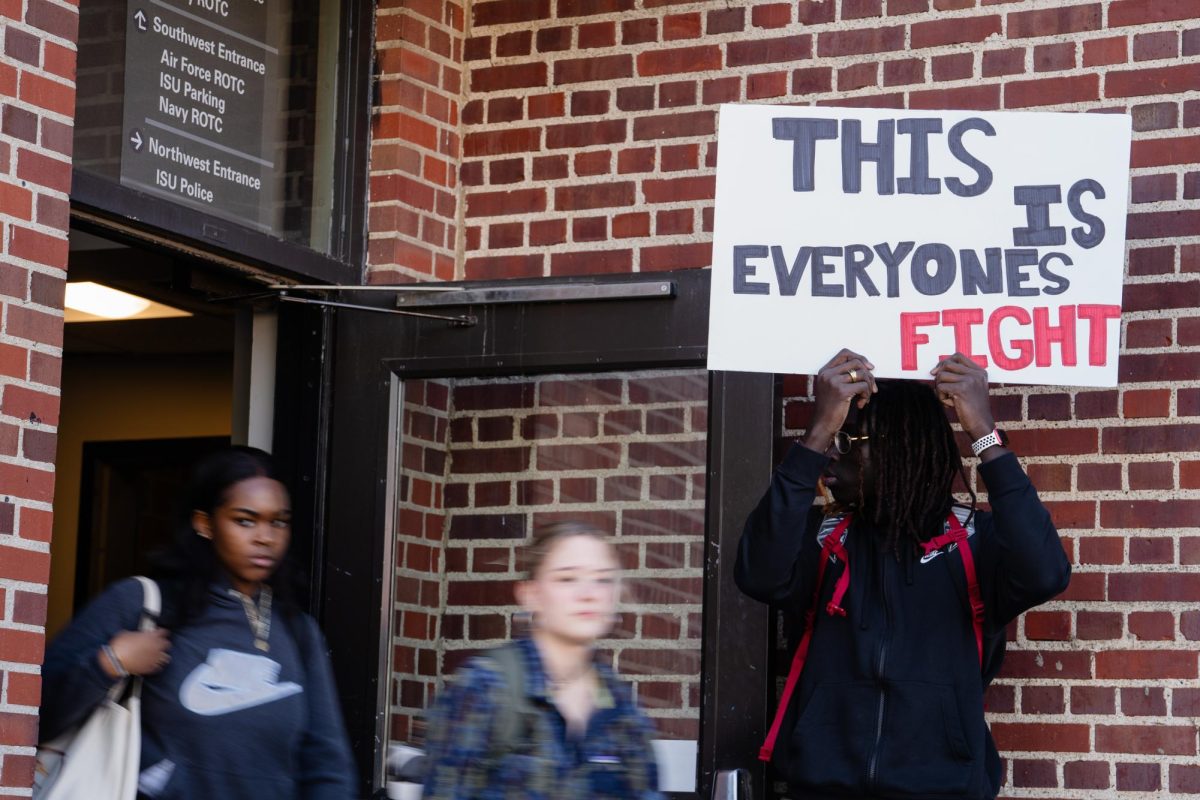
[(259, 616)]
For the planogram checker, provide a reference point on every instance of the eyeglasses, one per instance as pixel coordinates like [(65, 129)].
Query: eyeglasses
[(844, 441)]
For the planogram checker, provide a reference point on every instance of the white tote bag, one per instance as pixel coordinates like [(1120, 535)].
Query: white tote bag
[(99, 760)]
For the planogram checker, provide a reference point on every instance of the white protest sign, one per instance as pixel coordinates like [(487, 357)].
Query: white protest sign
[(909, 235)]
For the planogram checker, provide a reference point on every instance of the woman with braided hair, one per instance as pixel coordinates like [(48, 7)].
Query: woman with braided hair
[(903, 594)]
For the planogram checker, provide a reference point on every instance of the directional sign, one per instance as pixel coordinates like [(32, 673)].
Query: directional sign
[(205, 91)]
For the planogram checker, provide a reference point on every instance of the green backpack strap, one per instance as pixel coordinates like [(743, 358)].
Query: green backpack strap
[(511, 728)]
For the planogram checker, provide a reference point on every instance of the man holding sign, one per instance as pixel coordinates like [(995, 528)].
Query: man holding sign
[(904, 594)]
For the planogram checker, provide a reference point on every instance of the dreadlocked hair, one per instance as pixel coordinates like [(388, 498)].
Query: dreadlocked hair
[(915, 460)]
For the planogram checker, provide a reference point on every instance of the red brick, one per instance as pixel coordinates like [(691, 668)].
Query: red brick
[(1152, 626), (518, 201), (1163, 225), (857, 76), (635, 98), (670, 126), (1176, 740), (680, 157), (502, 142), (672, 94), (725, 20), (625, 226), (667, 61), (1150, 476), (1184, 779), (860, 42), (1093, 700), (547, 232), (1157, 80), (1156, 438), (863, 9), (549, 168), (1145, 665), (594, 195), (1098, 625), (639, 31), (554, 39), (1151, 261), (1029, 773), (593, 68), (1048, 625), (591, 263), (495, 267), (1154, 587), (17, 564), (815, 12), (1041, 737), (812, 80), (510, 76), (899, 7), (542, 106), (1054, 57), (676, 256), (1086, 775), (675, 190), (596, 162), (1058, 665), (1142, 12), (762, 86), (681, 26), (35, 326), (768, 51), (597, 34), (903, 71), (1052, 91), (503, 12), (1054, 21), (1146, 403), (1155, 46), (1098, 477), (1138, 777), (983, 97), (638, 159), (956, 30), (1103, 52), (585, 134), (953, 67)]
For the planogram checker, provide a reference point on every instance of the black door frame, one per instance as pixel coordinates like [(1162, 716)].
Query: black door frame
[(338, 375)]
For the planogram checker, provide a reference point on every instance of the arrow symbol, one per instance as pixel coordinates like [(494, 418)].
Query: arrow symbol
[(140, 16), (135, 139)]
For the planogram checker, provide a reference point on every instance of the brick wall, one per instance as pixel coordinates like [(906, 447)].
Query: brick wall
[(487, 461), (415, 140), (37, 93), (588, 146)]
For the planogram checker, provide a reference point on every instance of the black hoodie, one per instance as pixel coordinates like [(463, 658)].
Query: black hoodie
[(890, 703)]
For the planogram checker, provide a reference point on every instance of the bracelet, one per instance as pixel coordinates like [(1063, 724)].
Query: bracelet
[(116, 662)]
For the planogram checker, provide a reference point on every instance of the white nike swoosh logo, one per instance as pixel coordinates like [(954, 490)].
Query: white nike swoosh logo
[(231, 681)]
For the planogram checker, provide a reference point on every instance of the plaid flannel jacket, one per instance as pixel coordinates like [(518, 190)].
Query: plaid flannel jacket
[(612, 759)]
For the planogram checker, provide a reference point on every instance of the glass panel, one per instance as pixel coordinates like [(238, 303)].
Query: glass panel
[(215, 106), (483, 462)]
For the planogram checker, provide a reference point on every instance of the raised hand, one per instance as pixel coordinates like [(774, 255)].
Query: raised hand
[(845, 379), (963, 385)]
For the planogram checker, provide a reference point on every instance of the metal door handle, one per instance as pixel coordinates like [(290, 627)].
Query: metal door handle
[(732, 784)]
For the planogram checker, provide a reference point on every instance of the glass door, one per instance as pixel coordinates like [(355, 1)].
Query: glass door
[(447, 444), (486, 461)]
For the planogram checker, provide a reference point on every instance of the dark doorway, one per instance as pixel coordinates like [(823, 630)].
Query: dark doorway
[(127, 505)]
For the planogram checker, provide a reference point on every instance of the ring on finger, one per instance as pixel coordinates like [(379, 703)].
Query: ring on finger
[(853, 376)]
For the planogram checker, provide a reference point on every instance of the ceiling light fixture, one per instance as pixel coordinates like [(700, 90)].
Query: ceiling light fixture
[(87, 301)]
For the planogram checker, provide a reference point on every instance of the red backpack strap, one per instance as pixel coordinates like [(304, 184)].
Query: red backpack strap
[(959, 535), (832, 546)]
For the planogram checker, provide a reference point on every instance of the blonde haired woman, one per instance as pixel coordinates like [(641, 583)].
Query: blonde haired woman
[(541, 717)]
